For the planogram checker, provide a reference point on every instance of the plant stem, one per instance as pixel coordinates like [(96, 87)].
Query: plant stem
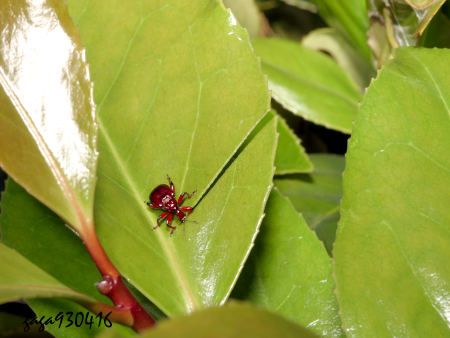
[(112, 284)]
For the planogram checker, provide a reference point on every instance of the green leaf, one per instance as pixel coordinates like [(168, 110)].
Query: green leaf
[(47, 118), (199, 268), (309, 84), (230, 321), (20, 279), (329, 40), (291, 156), (28, 227), (393, 243), (317, 195), (289, 271), (41, 237), (165, 106)]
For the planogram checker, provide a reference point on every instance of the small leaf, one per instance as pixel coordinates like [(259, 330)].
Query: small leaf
[(289, 271), (48, 128), (291, 156), (234, 320), (309, 84), (20, 279), (393, 243), (317, 195)]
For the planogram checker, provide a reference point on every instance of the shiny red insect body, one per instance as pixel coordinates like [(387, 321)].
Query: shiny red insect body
[(163, 198)]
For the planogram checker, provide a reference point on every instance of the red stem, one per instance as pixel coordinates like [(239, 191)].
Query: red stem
[(113, 286)]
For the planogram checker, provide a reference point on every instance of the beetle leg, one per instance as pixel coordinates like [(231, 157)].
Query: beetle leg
[(172, 186), (172, 229), (184, 196), (169, 219), (160, 219), (169, 222), (186, 209)]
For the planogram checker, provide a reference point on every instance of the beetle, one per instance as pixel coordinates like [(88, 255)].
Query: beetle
[(163, 198)]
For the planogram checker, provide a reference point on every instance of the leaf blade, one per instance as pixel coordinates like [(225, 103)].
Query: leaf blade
[(291, 157), (20, 279), (48, 115), (232, 320), (317, 195), (303, 289), (299, 78), (393, 213)]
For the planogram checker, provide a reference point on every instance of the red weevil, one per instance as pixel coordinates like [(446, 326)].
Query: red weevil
[(163, 198)]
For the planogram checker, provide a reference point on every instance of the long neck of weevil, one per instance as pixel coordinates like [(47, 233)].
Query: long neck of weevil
[(181, 215)]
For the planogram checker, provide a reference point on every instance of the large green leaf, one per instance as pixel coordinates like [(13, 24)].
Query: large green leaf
[(291, 156), (20, 279), (199, 268), (47, 120), (393, 243), (289, 271), (317, 195), (178, 89), (230, 321), (309, 83)]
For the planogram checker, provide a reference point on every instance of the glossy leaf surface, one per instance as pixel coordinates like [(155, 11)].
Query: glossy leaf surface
[(230, 321), (291, 156), (317, 195), (174, 100), (289, 271), (308, 83), (20, 279), (393, 243), (47, 120)]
